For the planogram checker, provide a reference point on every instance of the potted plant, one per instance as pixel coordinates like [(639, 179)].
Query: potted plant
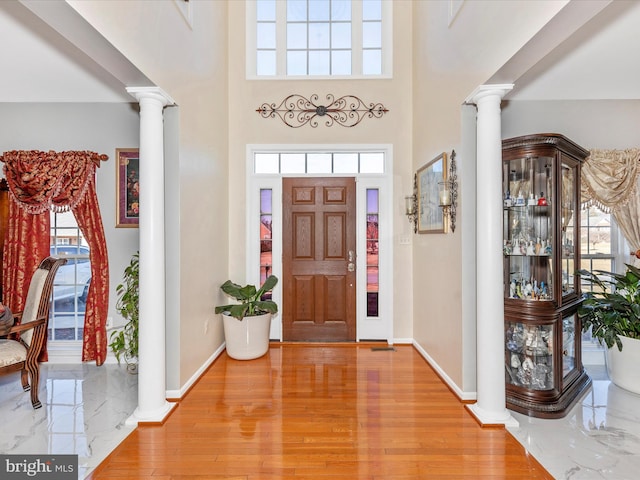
[(612, 312), (247, 323), (124, 341)]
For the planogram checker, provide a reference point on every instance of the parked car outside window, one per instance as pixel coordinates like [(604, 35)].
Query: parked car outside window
[(73, 278)]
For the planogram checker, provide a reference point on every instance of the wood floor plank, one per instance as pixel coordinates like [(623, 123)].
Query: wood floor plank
[(320, 412)]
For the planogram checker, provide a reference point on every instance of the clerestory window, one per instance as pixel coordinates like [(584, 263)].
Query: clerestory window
[(318, 38)]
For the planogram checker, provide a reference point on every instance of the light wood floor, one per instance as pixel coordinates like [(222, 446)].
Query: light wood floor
[(320, 412)]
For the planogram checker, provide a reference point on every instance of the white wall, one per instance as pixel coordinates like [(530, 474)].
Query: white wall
[(247, 127), (605, 124), (97, 127), (450, 61)]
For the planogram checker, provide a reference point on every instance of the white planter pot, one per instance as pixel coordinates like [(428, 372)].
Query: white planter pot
[(247, 339), (622, 367)]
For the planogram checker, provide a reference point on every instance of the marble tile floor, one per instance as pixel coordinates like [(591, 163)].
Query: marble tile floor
[(598, 439), (85, 407)]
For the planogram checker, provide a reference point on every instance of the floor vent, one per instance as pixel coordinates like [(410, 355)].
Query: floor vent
[(383, 349)]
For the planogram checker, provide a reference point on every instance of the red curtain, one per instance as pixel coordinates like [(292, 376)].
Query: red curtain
[(38, 183), (87, 213), (27, 243)]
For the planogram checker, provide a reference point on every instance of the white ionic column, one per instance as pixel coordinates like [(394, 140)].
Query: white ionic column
[(152, 403), (490, 408)]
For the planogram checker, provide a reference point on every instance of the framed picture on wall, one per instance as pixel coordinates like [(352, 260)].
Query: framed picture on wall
[(430, 218), (127, 187)]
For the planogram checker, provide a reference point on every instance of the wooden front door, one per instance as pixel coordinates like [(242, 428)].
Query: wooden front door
[(319, 244)]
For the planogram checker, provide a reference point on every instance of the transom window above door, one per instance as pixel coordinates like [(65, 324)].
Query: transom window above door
[(318, 38), (319, 163)]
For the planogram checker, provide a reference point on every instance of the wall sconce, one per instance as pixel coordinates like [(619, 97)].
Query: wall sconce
[(411, 205), (448, 193)]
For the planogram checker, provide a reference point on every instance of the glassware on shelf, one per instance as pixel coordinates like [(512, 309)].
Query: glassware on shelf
[(541, 252), (529, 352)]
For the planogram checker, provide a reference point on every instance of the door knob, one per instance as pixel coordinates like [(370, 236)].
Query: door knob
[(351, 256)]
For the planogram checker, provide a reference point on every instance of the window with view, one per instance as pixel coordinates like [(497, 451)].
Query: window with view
[(332, 38), (71, 284), (373, 260), (266, 236), (599, 247)]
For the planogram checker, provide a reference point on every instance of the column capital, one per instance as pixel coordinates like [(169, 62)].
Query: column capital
[(486, 90), (154, 93)]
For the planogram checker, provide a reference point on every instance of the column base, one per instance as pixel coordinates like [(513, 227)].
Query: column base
[(491, 419), (157, 416)]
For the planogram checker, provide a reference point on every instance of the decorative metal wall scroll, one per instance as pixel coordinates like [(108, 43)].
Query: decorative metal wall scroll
[(347, 111)]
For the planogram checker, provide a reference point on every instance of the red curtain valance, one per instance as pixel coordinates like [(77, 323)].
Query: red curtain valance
[(41, 181)]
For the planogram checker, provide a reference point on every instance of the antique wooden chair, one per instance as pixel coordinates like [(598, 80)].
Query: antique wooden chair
[(21, 348)]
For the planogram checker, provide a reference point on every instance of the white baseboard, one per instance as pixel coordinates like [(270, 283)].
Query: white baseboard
[(178, 394), (64, 352), (71, 353), (462, 395)]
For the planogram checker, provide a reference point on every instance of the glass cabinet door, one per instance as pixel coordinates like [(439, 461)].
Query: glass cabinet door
[(528, 232), (568, 344), (541, 234), (568, 226), (529, 355)]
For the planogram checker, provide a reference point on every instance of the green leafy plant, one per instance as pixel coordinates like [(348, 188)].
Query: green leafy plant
[(124, 341), (614, 308), (250, 298)]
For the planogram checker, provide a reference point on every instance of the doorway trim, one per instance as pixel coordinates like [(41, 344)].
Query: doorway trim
[(367, 328)]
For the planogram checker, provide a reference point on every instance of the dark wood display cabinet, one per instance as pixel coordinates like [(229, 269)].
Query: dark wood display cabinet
[(541, 191)]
